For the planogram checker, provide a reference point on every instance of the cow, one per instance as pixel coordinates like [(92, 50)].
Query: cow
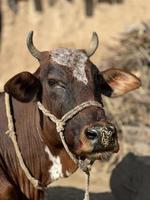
[(65, 79)]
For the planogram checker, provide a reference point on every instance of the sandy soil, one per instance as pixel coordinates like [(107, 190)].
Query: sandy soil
[(66, 25)]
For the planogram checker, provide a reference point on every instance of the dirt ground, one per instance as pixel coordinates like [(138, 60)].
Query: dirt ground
[(65, 25)]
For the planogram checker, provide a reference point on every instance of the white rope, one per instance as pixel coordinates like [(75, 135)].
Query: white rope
[(60, 125), (87, 184), (11, 133)]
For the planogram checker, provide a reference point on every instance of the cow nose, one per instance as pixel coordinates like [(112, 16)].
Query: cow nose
[(91, 133), (96, 131), (104, 135)]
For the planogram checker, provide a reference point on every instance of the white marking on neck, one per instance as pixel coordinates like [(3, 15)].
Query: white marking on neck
[(74, 59), (55, 170)]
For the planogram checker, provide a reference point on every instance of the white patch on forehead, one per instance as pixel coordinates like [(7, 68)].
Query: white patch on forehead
[(74, 59), (56, 168)]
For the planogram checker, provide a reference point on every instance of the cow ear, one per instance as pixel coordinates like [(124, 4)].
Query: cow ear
[(24, 86), (117, 82)]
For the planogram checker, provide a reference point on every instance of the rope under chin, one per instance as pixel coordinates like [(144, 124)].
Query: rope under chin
[(84, 165)]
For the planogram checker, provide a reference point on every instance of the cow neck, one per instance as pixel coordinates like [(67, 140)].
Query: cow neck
[(85, 165)]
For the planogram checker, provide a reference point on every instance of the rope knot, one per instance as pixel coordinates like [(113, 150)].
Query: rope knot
[(60, 126), (10, 133), (85, 165)]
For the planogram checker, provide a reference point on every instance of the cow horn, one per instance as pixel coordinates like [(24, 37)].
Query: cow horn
[(33, 50), (93, 45)]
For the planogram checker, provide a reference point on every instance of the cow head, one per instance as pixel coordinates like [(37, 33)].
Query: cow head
[(65, 79)]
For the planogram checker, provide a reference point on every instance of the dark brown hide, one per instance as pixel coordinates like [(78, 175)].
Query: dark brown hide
[(18, 87)]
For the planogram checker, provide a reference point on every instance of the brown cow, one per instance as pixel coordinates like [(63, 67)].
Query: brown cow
[(64, 79)]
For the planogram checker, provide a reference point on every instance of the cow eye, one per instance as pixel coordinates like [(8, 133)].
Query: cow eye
[(52, 82), (56, 83)]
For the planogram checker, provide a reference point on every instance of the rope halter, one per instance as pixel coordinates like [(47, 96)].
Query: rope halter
[(60, 124), (85, 165)]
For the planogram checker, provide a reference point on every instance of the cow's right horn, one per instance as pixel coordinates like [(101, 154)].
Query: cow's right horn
[(93, 45), (33, 50)]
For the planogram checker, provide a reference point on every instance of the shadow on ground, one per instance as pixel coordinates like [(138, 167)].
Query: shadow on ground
[(70, 193)]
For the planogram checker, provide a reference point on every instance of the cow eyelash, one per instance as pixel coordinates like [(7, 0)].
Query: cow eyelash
[(54, 82)]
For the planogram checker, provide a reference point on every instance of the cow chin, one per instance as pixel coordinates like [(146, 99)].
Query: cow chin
[(104, 156)]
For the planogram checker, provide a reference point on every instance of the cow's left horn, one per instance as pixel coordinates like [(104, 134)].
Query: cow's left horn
[(33, 50), (93, 45)]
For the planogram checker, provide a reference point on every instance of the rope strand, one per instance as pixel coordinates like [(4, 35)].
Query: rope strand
[(87, 179), (11, 133)]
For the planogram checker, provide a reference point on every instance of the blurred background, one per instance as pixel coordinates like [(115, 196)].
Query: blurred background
[(123, 27)]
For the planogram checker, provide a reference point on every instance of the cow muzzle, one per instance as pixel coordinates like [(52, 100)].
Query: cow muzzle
[(103, 137), (97, 139)]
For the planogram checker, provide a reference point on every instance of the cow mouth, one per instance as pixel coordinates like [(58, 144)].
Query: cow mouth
[(102, 154)]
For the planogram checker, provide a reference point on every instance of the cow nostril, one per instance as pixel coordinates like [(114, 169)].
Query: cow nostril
[(91, 133), (111, 129)]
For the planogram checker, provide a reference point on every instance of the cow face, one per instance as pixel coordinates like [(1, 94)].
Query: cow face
[(65, 79)]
